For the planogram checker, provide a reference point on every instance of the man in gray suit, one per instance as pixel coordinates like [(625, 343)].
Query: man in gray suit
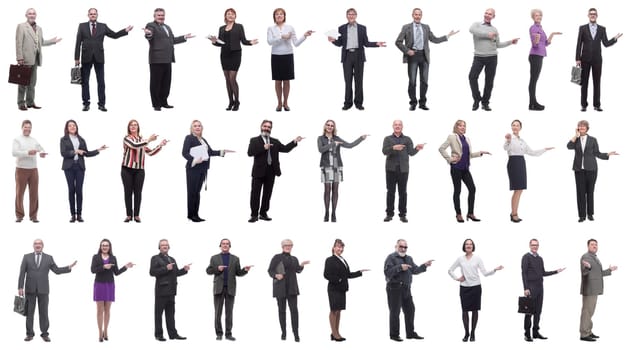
[(398, 148), (413, 41), (592, 274), (161, 55), (33, 282), (29, 40), (225, 267)]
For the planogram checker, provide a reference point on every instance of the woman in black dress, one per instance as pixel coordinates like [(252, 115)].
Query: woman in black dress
[(337, 272), (230, 37)]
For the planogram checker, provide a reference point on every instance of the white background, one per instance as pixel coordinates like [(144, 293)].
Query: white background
[(547, 207)]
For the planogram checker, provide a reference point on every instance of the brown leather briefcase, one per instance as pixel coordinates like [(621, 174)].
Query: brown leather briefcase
[(20, 75)]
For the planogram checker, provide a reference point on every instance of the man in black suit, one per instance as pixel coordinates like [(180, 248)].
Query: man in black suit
[(532, 274), (266, 167), (165, 270), (225, 268), (588, 56), (33, 282), (89, 46), (585, 168), (161, 55), (352, 39)]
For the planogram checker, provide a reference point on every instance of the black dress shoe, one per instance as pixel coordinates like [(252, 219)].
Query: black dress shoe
[(236, 106), (486, 107), (137, 219), (465, 338), (157, 109), (527, 338), (346, 108), (412, 107), (360, 107), (127, 219), (18, 220), (160, 338), (177, 337), (423, 107), (86, 108), (80, 219), (195, 219), (590, 217), (583, 109), (581, 219), (22, 108), (253, 219), (218, 337), (230, 337), (28, 338), (475, 106), (598, 109), (34, 221), (264, 217), (387, 218), (103, 109), (333, 218), (34, 106), (166, 105), (403, 219), (397, 338), (536, 107), (414, 336), (296, 339), (539, 336), (587, 338), (283, 336), (47, 339), (594, 336), (73, 218)]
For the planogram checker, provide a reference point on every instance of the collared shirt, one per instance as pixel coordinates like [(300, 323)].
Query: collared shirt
[(518, 147), (418, 36), (282, 46), (75, 144), (538, 49), (583, 142), (352, 39), (134, 151), (592, 29), (469, 269)]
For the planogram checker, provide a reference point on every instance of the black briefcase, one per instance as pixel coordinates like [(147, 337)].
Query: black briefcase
[(75, 75), (19, 305), (525, 305), (20, 74)]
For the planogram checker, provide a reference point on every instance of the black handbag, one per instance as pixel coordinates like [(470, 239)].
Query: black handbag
[(576, 75), (75, 75), (525, 305), (19, 305)]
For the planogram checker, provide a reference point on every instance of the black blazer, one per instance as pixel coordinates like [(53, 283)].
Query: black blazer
[(91, 47), (398, 158), (588, 49), (34, 279), (591, 153), (257, 150), (237, 37), (337, 273), (166, 281), (161, 48), (362, 40), (192, 141), (289, 266), (67, 152), (102, 274), (325, 147)]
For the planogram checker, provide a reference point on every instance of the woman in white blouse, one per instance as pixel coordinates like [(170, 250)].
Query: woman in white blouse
[(470, 287), (516, 148), (281, 37)]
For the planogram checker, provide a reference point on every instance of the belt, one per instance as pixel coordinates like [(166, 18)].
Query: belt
[(351, 50)]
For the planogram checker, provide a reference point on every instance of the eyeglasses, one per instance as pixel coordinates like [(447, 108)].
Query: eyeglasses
[(330, 125), (403, 247), (593, 14)]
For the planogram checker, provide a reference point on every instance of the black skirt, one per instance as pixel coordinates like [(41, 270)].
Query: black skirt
[(337, 300), (230, 60), (517, 172), (470, 298), (283, 67)]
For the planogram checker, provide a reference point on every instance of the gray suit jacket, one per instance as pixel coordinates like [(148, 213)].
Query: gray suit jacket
[(592, 279), (405, 40), (400, 158), (28, 44), (234, 270), (454, 143), (161, 48), (34, 279)]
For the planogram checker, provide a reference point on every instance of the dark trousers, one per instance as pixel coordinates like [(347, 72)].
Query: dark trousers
[(85, 82), (537, 304), (596, 69), (166, 305), (420, 64), (399, 297), (585, 184), (159, 83), (133, 180), (258, 205), (353, 70), (220, 300), (457, 177), (489, 63), (536, 62), (194, 181), (74, 178), (292, 300), (42, 307), (394, 180)]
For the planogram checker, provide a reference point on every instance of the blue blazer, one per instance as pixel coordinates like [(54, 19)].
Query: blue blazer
[(362, 40)]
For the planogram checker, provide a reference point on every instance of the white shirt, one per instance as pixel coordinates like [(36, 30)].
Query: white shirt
[(282, 46), (518, 147), (469, 269), (21, 145), (583, 142)]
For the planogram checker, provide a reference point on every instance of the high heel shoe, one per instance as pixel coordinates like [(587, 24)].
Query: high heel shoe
[(333, 217), (472, 337), (100, 339), (466, 337), (326, 217), (472, 218), (459, 218), (515, 218), (286, 108), (235, 107), (337, 339), (229, 108)]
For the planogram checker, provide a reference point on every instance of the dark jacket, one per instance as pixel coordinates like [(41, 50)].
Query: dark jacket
[(362, 41), (191, 141), (325, 148), (591, 153), (67, 152), (105, 275), (237, 37), (34, 279), (257, 150), (288, 266), (398, 158), (161, 48), (234, 270), (91, 47), (588, 49), (166, 281), (337, 273)]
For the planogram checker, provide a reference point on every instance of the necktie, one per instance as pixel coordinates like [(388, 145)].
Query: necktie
[(165, 29), (418, 37), (37, 259), (93, 29), (269, 153)]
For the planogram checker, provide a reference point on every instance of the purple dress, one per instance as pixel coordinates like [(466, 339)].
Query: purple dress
[(104, 291)]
